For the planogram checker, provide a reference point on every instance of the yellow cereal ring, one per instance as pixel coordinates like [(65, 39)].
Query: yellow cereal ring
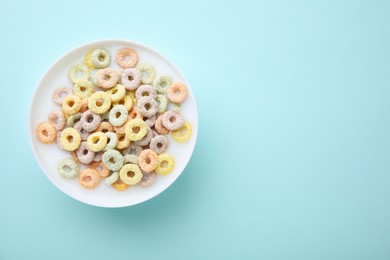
[(165, 164), (70, 139), (46, 133), (123, 142), (117, 93), (132, 95), (135, 129), (83, 88), (119, 185), (99, 102), (71, 104), (126, 101), (96, 141), (130, 174), (183, 133), (88, 60)]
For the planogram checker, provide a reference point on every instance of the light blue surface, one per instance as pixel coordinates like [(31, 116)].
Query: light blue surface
[(292, 160)]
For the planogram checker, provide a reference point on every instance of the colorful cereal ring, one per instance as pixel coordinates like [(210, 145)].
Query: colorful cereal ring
[(165, 164), (130, 174), (68, 168)]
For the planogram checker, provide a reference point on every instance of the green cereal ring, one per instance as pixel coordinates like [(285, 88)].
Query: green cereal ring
[(147, 73), (100, 58), (112, 141), (161, 83), (70, 139), (112, 178), (117, 93), (71, 104), (73, 119), (174, 107), (83, 88), (118, 115), (130, 174), (135, 129), (97, 141), (162, 103), (99, 102), (113, 160), (131, 158), (68, 168), (78, 72)]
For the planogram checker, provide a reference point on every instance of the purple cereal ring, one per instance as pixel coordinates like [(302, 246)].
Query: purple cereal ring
[(131, 78), (107, 78), (172, 120), (90, 121), (57, 119), (60, 94), (98, 156), (147, 106), (84, 154), (159, 144), (145, 90), (146, 139), (148, 178)]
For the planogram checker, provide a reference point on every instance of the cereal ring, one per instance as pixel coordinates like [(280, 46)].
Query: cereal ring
[(84, 155), (105, 127), (107, 78), (101, 169), (162, 103), (78, 72), (46, 133), (135, 129), (100, 58), (99, 102), (123, 142), (134, 113), (71, 104), (177, 92), (172, 120), (119, 185), (126, 101), (161, 83), (89, 178), (97, 141), (148, 160), (131, 79), (126, 58), (113, 160), (132, 149), (84, 105), (57, 119), (58, 140), (145, 91), (131, 158), (147, 106), (159, 127), (165, 164), (112, 178), (159, 144), (174, 107), (112, 141), (146, 139), (68, 168), (105, 115), (148, 178), (131, 93), (60, 94), (83, 88), (118, 115), (70, 139), (130, 174), (88, 61), (183, 133), (98, 157), (147, 73), (150, 121), (84, 134), (90, 121), (73, 119), (92, 77), (117, 93)]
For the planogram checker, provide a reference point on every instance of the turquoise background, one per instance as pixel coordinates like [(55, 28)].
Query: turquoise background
[(292, 159)]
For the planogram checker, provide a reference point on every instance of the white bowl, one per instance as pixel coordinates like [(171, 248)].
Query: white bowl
[(48, 156)]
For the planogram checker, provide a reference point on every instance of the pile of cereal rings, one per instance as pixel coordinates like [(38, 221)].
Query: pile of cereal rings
[(114, 123)]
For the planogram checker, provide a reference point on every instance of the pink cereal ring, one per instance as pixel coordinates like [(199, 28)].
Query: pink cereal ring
[(172, 120), (107, 78), (60, 94), (131, 78), (126, 58), (177, 92), (57, 118)]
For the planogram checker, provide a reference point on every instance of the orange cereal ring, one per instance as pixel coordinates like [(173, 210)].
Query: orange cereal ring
[(177, 92), (126, 58), (123, 142), (105, 127), (100, 168), (158, 126), (135, 114), (89, 178), (71, 104), (46, 133), (148, 160), (84, 105)]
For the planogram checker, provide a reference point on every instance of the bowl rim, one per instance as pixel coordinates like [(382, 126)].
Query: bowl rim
[(102, 42)]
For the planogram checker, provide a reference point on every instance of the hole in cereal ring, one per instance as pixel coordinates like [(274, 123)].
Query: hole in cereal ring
[(159, 145), (147, 106), (164, 164), (79, 73), (121, 138), (136, 129), (130, 78), (82, 89), (145, 94), (70, 103), (89, 119), (177, 92), (87, 178), (95, 140), (172, 119), (114, 90), (118, 114), (67, 168), (127, 58), (101, 57), (130, 174), (112, 160), (85, 152), (145, 74), (147, 160), (163, 84), (132, 151), (99, 102), (121, 102), (105, 130), (45, 133), (106, 77), (69, 138)]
